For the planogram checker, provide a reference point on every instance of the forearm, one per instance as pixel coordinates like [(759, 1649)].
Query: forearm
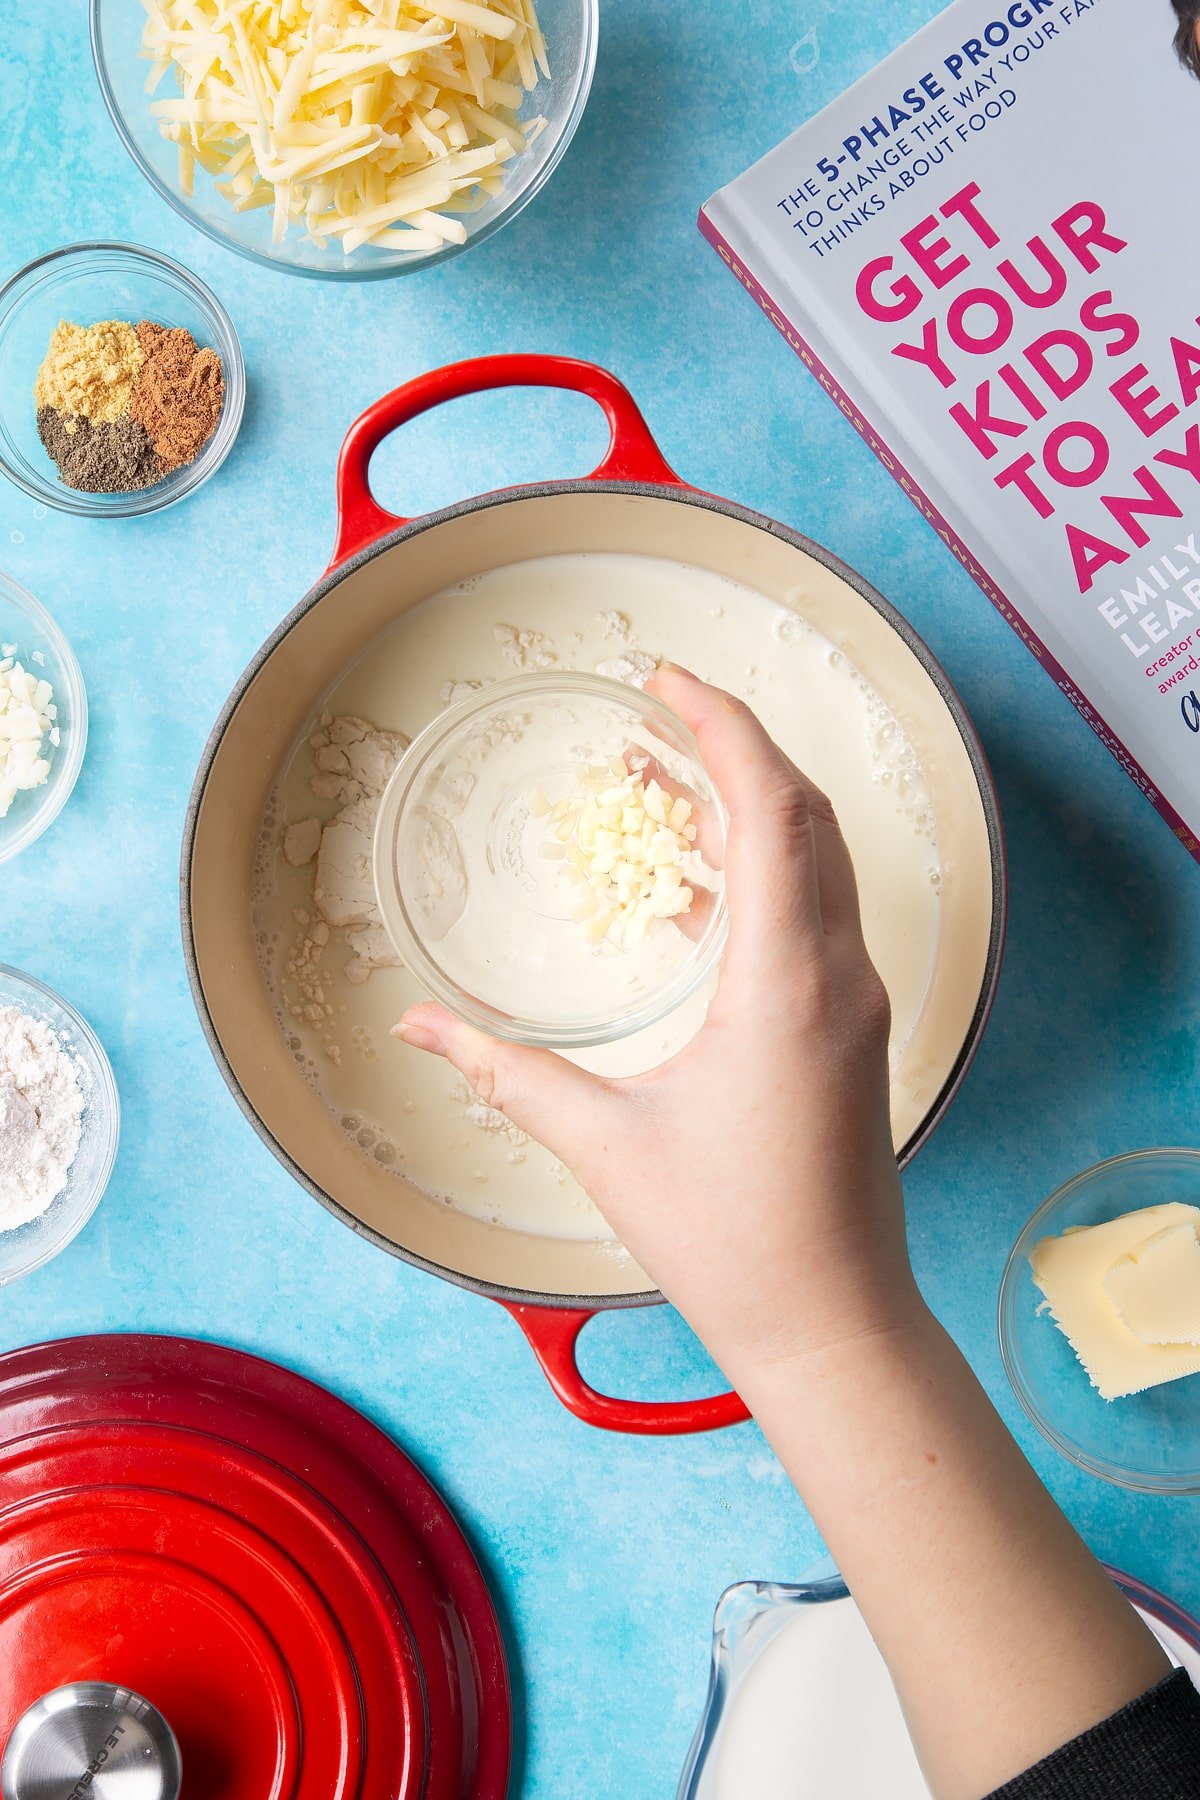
[(754, 1177), (1004, 1637)]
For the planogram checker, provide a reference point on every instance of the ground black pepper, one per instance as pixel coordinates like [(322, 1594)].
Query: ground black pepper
[(108, 458)]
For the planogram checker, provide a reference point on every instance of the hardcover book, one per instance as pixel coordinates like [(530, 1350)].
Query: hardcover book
[(986, 252)]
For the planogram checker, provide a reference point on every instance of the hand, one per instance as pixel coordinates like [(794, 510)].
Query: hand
[(753, 1176), (754, 1179)]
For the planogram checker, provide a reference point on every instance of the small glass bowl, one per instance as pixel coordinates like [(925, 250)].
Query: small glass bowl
[(30, 629), (487, 923), (85, 283), (1149, 1442), (570, 28), (26, 1247)]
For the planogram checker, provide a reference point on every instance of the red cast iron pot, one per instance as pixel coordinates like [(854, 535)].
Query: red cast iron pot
[(382, 565)]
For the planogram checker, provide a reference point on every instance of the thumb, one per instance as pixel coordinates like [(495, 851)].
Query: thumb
[(563, 1107)]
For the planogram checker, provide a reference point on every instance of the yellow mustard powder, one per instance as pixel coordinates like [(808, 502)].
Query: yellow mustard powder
[(90, 370)]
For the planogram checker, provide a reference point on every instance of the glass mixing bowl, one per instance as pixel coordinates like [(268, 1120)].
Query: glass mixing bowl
[(84, 283), (570, 28), (473, 886), (1151, 1441), (41, 648), (26, 1247)]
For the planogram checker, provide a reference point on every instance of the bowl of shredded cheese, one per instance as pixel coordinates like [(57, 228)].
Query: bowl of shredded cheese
[(43, 719), (549, 861), (346, 138)]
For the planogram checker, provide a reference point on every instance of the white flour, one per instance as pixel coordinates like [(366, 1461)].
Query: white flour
[(351, 765), (41, 1117)]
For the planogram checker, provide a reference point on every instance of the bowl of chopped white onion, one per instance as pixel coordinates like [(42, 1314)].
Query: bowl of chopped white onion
[(347, 139), (43, 719)]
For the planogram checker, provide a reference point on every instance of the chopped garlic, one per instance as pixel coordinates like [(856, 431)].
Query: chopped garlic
[(627, 843), (362, 119), (27, 718)]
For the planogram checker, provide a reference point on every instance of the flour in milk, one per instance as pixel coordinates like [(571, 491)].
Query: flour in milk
[(333, 975)]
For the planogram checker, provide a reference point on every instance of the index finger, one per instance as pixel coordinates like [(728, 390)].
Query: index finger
[(787, 865)]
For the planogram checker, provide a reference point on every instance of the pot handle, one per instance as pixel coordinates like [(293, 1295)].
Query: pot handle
[(553, 1333), (632, 453)]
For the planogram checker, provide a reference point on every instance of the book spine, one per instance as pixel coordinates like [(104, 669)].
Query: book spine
[(933, 515)]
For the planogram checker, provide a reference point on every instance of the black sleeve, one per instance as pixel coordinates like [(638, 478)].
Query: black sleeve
[(1150, 1750)]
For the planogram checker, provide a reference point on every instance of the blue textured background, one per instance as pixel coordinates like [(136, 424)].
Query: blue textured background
[(607, 1555)]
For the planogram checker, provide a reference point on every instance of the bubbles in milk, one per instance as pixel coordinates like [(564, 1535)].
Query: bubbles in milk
[(790, 628), (368, 1138), (897, 769)]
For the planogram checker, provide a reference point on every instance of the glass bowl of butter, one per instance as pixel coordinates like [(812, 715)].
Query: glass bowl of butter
[(548, 860), (1099, 1320)]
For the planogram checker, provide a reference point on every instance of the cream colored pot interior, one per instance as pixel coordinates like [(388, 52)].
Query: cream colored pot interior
[(277, 706)]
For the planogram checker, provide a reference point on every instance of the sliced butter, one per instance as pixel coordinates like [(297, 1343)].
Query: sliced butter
[(1070, 1271), (1156, 1287)]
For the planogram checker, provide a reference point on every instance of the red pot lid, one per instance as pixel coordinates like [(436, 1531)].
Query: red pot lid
[(257, 1560)]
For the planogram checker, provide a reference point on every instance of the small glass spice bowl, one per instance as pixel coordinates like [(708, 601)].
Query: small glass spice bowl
[(1149, 1442), (24, 1248), (85, 283), (41, 648), (474, 886)]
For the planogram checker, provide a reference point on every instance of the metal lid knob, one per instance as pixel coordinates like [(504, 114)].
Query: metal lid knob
[(91, 1741)]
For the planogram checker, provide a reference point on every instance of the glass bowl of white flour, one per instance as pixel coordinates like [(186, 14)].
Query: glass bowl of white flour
[(59, 1123)]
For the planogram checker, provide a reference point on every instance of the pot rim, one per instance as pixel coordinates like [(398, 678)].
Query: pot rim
[(679, 496)]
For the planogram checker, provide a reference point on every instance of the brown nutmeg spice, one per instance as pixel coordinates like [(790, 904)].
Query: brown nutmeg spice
[(178, 394)]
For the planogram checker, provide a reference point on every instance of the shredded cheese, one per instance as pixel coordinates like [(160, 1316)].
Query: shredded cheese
[(627, 843), (364, 121), (27, 721)]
